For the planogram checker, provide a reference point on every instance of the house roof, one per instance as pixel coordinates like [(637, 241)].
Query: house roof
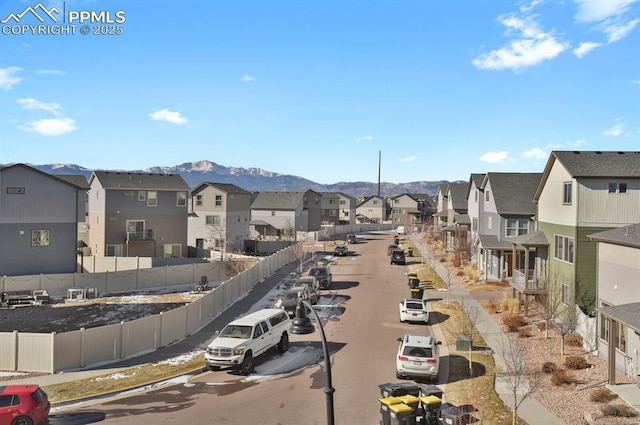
[(530, 239), (368, 198), (595, 164), (62, 177), (458, 199), (444, 188), (513, 192), (139, 181), (286, 200), (441, 214), (260, 223), (225, 187), (462, 219), (492, 242), (625, 235), (75, 179), (629, 314), (475, 178)]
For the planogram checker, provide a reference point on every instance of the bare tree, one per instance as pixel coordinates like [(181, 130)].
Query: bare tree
[(521, 380), (550, 301), (218, 235), (450, 270), (472, 313), (568, 322), (299, 251), (289, 230)]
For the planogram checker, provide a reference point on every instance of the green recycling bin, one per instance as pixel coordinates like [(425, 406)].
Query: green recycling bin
[(385, 408), (401, 414)]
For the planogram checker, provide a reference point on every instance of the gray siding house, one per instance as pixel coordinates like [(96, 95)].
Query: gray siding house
[(347, 212), (330, 208), (39, 215), (219, 217), (280, 215), (138, 214)]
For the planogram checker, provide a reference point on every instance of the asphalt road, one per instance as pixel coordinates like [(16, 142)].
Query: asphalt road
[(362, 338)]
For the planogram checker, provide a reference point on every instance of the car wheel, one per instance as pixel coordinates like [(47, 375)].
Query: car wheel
[(22, 420), (214, 368), (246, 367), (283, 345)]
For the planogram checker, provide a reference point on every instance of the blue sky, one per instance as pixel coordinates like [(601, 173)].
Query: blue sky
[(317, 88)]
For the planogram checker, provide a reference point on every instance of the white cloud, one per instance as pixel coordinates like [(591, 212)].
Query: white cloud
[(51, 72), (535, 153), (9, 78), (408, 159), (617, 32), (614, 131), (50, 126), (365, 139), (495, 157), (636, 82), (530, 47), (168, 116), (247, 79), (585, 48), (33, 104), (599, 10)]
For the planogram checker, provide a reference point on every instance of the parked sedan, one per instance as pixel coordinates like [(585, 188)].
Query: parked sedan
[(313, 287), (413, 310), (289, 302), (23, 405), (341, 250), (323, 275), (392, 247)]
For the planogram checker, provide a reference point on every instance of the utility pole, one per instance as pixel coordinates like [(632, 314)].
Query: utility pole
[(379, 165)]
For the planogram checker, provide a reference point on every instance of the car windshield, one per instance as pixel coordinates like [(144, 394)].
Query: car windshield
[(235, 331), (293, 295), (417, 351), (412, 305), (318, 272)]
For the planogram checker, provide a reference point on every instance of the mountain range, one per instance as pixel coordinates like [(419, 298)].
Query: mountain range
[(259, 180)]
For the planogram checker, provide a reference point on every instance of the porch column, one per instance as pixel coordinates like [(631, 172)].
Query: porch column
[(611, 355), (526, 279)]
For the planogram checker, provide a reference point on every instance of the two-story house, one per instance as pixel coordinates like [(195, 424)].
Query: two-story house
[(219, 217), (507, 210), (280, 215), (39, 215), (582, 193), (138, 214), (618, 298), (456, 232), (441, 214), (408, 210), (347, 212), (372, 209), (330, 209)]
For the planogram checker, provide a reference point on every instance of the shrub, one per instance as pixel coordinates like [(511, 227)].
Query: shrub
[(541, 326), (492, 306), (460, 273), (513, 322), (602, 395), (523, 333), (549, 367), (576, 363), (510, 305), (618, 410), (443, 260), (560, 376), (573, 340), (472, 273)]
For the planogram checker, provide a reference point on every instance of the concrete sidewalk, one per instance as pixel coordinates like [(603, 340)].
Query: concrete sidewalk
[(530, 410)]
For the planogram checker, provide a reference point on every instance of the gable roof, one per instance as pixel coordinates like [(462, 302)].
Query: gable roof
[(458, 199), (625, 235), (68, 179), (629, 314), (368, 198), (224, 187), (139, 181), (513, 192), (75, 179), (476, 179), (595, 164), (285, 200)]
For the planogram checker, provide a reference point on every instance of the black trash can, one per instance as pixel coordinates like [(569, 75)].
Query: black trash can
[(410, 388), (428, 389), (417, 293), (401, 414), (385, 408), (430, 407), (412, 401), (451, 415), (392, 390), (414, 283)]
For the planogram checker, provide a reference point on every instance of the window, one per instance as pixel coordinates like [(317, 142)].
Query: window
[(489, 222), (622, 188), (172, 250), (604, 325), (199, 200), (617, 188), (40, 238), (273, 213), (181, 199), (486, 196), (375, 202), (474, 224), (621, 338), (613, 187), (152, 198), (566, 294), (142, 195), (566, 193), (343, 202), (114, 251), (332, 212), (563, 248), (332, 201), (476, 195), (396, 201), (218, 200), (212, 220), (517, 227)]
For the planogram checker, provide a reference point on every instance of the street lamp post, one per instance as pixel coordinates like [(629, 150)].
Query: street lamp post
[(301, 326)]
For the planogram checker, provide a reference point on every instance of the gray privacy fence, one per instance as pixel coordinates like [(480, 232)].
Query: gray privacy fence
[(52, 352)]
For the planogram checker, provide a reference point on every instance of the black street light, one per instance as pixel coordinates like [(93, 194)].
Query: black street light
[(301, 326)]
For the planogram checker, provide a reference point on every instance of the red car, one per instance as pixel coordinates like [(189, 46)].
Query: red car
[(23, 405)]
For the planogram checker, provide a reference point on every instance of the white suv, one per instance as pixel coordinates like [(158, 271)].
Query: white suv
[(417, 357)]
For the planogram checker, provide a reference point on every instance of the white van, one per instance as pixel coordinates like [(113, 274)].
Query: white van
[(400, 230), (246, 338)]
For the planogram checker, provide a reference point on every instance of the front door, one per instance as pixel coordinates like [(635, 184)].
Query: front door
[(508, 264)]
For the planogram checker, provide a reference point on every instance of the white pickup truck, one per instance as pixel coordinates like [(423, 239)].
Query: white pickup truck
[(244, 339)]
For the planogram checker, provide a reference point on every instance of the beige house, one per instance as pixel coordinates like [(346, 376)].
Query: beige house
[(347, 212), (219, 215), (138, 214), (372, 209), (280, 215)]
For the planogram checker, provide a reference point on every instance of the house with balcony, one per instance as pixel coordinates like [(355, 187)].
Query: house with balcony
[(505, 210), (442, 207), (39, 216), (618, 299), (372, 209), (347, 211), (219, 216), (455, 234), (280, 215), (579, 194), (330, 208), (138, 214)]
